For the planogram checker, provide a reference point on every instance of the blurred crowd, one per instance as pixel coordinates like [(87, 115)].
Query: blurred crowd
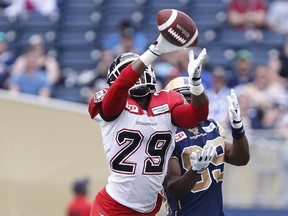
[(22, 8), (262, 88)]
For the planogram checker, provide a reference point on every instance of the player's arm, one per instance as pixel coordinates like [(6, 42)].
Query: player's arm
[(186, 116), (236, 153), (110, 103), (177, 185), (115, 99)]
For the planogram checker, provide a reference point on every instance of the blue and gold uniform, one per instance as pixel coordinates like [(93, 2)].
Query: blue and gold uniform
[(206, 195)]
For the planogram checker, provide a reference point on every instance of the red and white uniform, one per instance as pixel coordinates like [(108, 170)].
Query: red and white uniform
[(137, 142)]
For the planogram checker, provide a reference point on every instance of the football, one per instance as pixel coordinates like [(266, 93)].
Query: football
[(177, 27)]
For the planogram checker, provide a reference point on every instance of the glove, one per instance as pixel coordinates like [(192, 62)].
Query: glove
[(194, 70), (162, 46), (234, 110), (200, 161)]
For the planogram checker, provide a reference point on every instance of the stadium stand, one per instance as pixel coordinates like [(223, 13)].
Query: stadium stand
[(76, 33)]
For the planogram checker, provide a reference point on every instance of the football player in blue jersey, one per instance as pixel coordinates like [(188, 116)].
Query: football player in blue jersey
[(193, 184)]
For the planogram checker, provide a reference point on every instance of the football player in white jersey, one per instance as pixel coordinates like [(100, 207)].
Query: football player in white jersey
[(138, 128)]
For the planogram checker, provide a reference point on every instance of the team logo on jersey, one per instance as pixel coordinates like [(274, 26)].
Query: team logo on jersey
[(99, 96), (180, 136), (160, 109), (209, 128), (194, 130), (132, 108)]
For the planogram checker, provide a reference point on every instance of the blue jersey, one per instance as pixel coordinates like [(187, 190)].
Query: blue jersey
[(205, 198)]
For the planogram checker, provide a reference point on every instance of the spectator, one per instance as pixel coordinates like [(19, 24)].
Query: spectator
[(267, 96), (277, 16), (4, 4), (247, 14), (165, 72), (168, 67), (249, 116), (24, 7), (273, 118), (217, 96), (6, 60), (242, 72), (31, 79), (79, 205), (47, 63), (278, 66), (282, 123), (126, 39)]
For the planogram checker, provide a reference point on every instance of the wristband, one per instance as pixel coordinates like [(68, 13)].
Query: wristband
[(196, 81), (197, 90), (238, 133), (148, 57)]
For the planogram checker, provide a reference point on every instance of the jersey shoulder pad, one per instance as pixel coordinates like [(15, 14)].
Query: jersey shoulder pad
[(172, 97), (219, 127), (164, 101), (221, 130)]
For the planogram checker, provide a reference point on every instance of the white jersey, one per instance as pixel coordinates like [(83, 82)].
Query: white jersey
[(138, 145)]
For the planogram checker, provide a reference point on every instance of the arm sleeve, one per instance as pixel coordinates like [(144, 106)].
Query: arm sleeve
[(115, 99), (188, 115)]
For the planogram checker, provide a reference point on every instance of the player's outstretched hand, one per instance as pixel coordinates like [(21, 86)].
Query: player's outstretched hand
[(195, 66), (194, 70), (234, 110), (161, 46), (200, 160)]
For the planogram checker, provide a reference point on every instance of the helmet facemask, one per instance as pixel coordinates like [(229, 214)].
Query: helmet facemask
[(145, 85)]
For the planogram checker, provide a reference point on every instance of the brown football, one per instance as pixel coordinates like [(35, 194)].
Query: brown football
[(177, 27)]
